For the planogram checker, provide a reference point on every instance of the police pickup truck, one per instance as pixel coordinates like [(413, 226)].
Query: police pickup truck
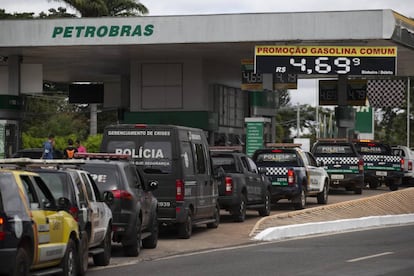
[(342, 162), (381, 166), (295, 174), (243, 187)]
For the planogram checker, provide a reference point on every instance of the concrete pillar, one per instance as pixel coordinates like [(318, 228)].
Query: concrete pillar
[(13, 63), (268, 86)]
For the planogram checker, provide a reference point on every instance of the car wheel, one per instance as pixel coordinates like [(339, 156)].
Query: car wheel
[(70, 260), (322, 197), (373, 184), (185, 229), (133, 249), (393, 187), (22, 264), (83, 254), (267, 205), (357, 191), (239, 213), (103, 259), (151, 241), (300, 201), (216, 217)]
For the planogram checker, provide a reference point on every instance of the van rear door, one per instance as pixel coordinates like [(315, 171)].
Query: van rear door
[(206, 198), (153, 151)]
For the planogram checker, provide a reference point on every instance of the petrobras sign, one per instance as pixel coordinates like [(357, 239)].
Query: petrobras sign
[(100, 31)]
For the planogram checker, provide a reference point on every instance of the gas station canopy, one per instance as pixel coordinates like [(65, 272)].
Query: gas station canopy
[(98, 49)]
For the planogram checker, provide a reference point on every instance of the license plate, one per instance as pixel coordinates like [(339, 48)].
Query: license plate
[(337, 176), (381, 173), (279, 183)]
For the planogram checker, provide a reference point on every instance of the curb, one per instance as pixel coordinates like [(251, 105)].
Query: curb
[(299, 230), (358, 213)]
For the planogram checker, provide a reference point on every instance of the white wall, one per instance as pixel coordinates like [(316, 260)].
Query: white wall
[(190, 87)]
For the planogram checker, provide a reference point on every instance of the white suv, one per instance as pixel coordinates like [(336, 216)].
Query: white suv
[(408, 156)]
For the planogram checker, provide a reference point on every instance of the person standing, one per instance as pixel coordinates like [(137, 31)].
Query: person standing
[(70, 150), (80, 147), (48, 147)]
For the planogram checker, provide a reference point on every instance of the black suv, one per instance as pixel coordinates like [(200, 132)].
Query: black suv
[(243, 187), (134, 208)]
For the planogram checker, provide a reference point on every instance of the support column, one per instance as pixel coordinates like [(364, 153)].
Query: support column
[(342, 131), (93, 119), (268, 86), (14, 75), (345, 115)]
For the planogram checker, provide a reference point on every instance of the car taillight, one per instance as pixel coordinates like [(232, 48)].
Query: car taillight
[(74, 211), (410, 165), (2, 234), (361, 165), (179, 190), (229, 185), (402, 164), (291, 177), (122, 194)]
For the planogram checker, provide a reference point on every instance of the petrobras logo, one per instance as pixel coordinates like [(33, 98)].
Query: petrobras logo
[(103, 31)]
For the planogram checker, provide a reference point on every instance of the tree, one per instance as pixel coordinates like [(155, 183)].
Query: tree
[(24, 15), (99, 8)]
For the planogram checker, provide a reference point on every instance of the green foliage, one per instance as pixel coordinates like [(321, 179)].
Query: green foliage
[(44, 115), (99, 8), (93, 143), (53, 13)]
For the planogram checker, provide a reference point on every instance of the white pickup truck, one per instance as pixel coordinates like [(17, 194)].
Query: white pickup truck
[(408, 156)]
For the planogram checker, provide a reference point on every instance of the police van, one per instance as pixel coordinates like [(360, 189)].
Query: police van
[(178, 158)]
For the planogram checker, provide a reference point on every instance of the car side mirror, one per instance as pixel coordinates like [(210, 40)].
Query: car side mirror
[(262, 170), (63, 203), (320, 163), (152, 185), (108, 197)]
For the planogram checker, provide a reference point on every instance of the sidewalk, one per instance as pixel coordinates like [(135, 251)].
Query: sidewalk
[(389, 208)]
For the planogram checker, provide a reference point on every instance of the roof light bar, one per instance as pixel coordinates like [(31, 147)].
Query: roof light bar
[(227, 148), (111, 156), (283, 145)]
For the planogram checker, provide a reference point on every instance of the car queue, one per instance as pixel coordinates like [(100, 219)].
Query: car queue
[(146, 177)]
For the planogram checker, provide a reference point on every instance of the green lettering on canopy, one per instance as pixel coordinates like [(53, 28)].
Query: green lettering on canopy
[(102, 31)]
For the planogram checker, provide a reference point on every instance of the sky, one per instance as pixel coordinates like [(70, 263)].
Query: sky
[(307, 89)]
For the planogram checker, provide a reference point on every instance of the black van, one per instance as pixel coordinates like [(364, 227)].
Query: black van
[(178, 158)]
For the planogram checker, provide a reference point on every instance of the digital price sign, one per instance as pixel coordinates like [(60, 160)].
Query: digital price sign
[(325, 60)]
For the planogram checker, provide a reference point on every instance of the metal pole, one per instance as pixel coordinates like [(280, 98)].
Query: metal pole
[(93, 118), (298, 121), (408, 111)]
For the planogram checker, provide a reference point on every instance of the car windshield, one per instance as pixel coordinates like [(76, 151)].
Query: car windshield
[(226, 162), (281, 158), (106, 177), (373, 149), (11, 203), (56, 182), (333, 150), (153, 157)]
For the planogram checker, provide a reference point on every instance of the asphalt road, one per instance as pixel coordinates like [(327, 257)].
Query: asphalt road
[(380, 251), (228, 233)]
